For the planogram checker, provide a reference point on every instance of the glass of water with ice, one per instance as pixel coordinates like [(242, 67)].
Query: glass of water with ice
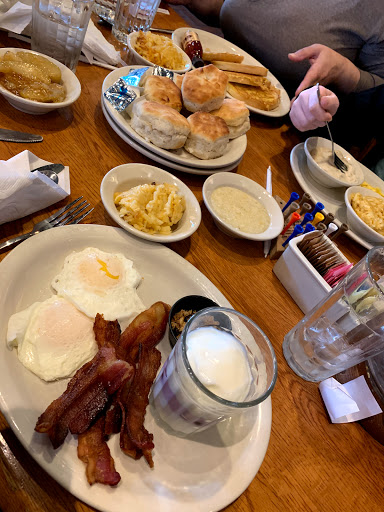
[(345, 328), (59, 27)]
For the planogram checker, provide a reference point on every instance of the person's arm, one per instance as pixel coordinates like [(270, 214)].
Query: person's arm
[(205, 8)]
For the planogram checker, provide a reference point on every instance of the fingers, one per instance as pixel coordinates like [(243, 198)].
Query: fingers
[(330, 103), (311, 78), (309, 52)]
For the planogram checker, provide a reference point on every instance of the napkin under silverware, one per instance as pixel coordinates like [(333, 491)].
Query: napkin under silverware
[(23, 192)]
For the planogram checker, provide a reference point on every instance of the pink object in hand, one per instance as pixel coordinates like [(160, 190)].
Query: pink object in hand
[(306, 112)]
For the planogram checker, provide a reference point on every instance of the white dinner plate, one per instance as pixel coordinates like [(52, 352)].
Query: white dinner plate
[(217, 44), (235, 149), (332, 198), (204, 472), (157, 158)]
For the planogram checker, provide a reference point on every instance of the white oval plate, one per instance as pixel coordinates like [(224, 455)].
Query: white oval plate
[(127, 176), (157, 158), (68, 78), (332, 198), (235, 149), (141, 60), (204, 472), (217, 44)]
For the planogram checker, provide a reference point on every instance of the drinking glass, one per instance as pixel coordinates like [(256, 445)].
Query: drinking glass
[(180, 398), (59, 27), (133, 15), (105, 9), (345, 328)]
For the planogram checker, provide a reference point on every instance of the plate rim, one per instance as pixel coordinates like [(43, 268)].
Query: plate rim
[(298, 175), (157, 158), (261, 427)]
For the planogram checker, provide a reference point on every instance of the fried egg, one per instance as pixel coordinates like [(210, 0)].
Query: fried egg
[(52, 337), (100, 282)]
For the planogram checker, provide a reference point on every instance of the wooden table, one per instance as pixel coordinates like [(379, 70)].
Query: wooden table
[(310, 464)]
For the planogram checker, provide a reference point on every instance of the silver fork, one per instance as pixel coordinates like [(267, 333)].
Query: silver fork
[(337, 161), (67, 215)]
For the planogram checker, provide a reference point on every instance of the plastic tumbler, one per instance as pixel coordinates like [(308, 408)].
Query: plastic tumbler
[(345, 328), (133, 15), (59, 27), (221, 365)]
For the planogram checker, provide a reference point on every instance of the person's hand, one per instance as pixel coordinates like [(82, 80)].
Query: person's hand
[(306, 112), (327, 67)]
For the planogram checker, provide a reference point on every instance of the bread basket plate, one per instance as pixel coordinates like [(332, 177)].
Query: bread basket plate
[(235, 149), (217, 44), (203, 472), (160, 159)]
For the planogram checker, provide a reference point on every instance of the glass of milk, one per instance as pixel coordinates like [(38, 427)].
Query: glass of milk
[(221, 365), (59, 27)]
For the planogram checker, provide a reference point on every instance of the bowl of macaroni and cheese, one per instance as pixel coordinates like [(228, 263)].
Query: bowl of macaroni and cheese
[(365, 213), (155, 50), (242, 208), (322, 168), (150, 203)]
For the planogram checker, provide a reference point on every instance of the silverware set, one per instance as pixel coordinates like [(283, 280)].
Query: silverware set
[(73, 213)]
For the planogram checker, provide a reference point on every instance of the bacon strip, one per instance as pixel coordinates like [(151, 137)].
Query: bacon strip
[(146, 329), (86, 395), (107, 333), (135, 403), (93, 450)]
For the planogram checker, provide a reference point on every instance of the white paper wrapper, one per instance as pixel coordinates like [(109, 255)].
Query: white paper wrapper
[(23, 192), (348, 402)]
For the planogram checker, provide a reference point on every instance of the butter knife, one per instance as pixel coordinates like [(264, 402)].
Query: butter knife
[(14, 136)]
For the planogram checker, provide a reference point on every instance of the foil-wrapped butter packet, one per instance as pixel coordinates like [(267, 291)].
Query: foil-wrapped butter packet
[(122, 92), (159, 71), (120, 95)]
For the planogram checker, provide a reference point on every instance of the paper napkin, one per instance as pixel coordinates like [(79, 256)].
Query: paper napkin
[(16, 18), (23, 192), (348, 402)]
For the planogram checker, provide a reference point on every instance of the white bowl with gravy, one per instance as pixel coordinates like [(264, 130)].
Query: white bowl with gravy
[(68, 79), (356, 223), (320, 164), (172, 53), (242, 208)]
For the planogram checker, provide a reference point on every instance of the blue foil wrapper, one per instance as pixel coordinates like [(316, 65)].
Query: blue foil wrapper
[(134, 76), (120, 95)]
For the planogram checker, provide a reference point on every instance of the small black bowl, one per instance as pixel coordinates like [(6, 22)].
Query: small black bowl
[(192, 303)]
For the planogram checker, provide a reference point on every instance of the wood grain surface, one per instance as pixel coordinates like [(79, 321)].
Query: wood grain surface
[(310, 464)]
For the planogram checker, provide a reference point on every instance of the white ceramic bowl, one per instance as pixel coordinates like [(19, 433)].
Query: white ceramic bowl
[(127, 176), (355, 223), (225, 179), (320, 175), (140, 60), (69, 79)]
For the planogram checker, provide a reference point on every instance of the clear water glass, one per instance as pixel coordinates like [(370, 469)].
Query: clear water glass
[(184, 403), (345, 328), (133, 15), (105, 9), (59, 27)]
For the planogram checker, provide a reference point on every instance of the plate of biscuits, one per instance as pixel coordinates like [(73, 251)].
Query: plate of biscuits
[(248, 79), (196, 127)]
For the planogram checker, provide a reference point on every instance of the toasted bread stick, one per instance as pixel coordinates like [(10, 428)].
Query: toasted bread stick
[(241, 68), (226, 57)]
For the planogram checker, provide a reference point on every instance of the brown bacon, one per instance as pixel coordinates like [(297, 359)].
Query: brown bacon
[(107, 333), (146, 329), (135, 404), (93, 450), (86, 395)]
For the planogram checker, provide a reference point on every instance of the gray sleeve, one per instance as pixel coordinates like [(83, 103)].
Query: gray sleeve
[(368, 81)]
